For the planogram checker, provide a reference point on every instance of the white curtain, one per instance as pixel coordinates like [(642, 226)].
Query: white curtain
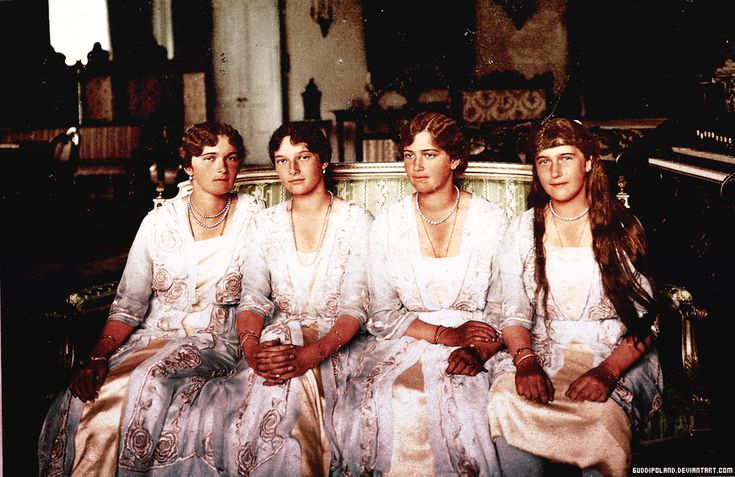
[(162, 24)]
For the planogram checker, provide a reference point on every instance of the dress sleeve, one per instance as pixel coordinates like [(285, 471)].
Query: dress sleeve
[(388, 317), (508, 302), (354, 293), (256, 281), (135, 288), (640, 309)]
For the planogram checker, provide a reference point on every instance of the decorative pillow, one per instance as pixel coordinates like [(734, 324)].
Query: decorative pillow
[(434, 96)]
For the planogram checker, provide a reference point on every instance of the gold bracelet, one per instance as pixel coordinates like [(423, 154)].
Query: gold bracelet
[(524, 357), (108, 337), (437, 332), (518, 351), (248, 335), (98, 358), (610, 370)]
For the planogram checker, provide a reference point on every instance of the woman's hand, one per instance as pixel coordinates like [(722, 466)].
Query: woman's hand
[(278, 363), (466, 334), (466, 360), (286, 363), (251, 348), (594, 385), (87, 380), (532, 381)]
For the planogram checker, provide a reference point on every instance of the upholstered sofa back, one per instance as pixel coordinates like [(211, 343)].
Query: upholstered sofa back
[(375, 185)]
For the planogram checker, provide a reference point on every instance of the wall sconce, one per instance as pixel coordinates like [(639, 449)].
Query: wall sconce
[(322, 12)]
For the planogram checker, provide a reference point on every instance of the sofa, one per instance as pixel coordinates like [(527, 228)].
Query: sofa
[(373, 186)]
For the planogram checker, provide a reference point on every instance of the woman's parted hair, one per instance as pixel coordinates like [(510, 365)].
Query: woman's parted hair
[(206, 134), (445, 132), (300, 131), (618, 238)]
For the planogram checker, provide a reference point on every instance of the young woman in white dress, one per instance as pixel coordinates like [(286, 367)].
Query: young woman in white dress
[(416, 399), (172, 323), (304, 298), (575, 306)]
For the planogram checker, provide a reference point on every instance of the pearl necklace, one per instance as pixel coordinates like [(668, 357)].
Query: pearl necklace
[(196, 214), (567, 219), (324, 229), (443, 219), (451, 234)]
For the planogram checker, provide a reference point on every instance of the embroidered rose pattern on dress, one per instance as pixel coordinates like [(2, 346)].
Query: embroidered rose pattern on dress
[(228, 289)]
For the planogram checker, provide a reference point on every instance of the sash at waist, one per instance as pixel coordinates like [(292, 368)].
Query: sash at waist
[(450, 317)]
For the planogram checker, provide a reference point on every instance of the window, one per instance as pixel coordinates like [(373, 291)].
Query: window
[(75, 26)]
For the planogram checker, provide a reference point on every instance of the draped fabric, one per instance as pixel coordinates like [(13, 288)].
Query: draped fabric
[(182, 296), (577, 335), (399, 403)]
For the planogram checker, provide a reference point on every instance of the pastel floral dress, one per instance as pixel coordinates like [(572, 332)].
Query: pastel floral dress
[(286, 430), (400, 412), (182, 297)]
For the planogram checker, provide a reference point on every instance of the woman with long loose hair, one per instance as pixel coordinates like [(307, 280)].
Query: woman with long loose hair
[(574, 302)]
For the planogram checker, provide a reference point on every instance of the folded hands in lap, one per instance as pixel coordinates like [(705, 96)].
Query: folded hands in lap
[(277, 363)]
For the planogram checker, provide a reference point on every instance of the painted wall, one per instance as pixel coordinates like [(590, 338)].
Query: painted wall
[(540, 45), (337, 63)]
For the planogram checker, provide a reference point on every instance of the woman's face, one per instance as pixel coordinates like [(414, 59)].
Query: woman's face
[(215, 169), (428, 167), (299, 170), (562, 171)]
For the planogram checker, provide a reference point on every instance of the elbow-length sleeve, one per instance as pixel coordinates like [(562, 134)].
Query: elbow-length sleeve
[(388, 316), (354, 297), (645, 285), (509, 303), (136, 284), (256, 281)]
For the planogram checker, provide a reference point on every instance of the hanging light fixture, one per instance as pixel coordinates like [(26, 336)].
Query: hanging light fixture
[(322, 12)]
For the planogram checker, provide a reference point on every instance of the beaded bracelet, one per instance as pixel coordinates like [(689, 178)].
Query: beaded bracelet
[(248, 335)]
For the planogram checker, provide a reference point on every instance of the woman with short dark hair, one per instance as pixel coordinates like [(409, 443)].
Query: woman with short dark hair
[(304, 298)]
